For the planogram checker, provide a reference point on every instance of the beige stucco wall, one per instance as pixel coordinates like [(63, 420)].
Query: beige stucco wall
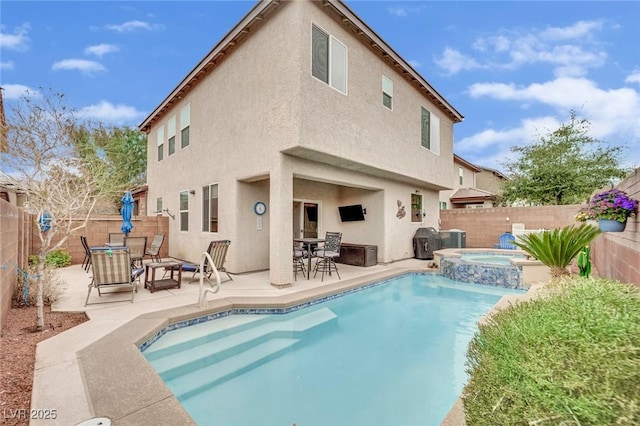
[(261, 101)]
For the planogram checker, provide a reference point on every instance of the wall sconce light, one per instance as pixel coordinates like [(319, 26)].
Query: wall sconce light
[(364, 211), (507, 219), (417, 191), (192, 192)]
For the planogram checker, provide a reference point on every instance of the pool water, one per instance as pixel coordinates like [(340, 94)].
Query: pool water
[(490, 259), (392, 354)]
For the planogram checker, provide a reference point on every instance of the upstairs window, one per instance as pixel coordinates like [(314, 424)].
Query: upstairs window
[(460, 176), (160, 142), (171, 133), (210, 208), (185, 124), (328, 59), (443, 205), (184, 210), (158, 205), (430, 131), (387, 92)]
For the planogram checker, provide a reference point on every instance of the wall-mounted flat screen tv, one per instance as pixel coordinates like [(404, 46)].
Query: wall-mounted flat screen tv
[(351, 213)]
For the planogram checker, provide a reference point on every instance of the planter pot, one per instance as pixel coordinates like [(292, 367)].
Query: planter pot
[(609, 225)]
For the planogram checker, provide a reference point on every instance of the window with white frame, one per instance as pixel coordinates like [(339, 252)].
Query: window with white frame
[(328, 59), (159, 205), (387, 92), (430, 131), (171, 134), (185, 125), (160, 142), (416, 207), (443, 205), (184, 210), (460, 176), (210, 208)]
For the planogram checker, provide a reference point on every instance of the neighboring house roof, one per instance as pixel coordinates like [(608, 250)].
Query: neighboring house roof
[(471, 195), (254, 19), (495, 172), (462, 161)]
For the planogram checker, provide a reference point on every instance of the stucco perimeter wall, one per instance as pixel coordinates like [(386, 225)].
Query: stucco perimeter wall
[(14, 246), (484, 226), (616, 255), (99, 228)]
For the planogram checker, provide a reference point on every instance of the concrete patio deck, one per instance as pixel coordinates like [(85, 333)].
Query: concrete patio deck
[(95, 370)]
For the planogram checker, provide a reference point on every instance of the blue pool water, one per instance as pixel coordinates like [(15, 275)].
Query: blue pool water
[(491, 259), (392, 354)]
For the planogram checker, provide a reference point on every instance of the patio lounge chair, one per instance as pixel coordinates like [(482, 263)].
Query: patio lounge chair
[(506, 242), (218, 252), (112, 269), (154, 249), (326, 254)]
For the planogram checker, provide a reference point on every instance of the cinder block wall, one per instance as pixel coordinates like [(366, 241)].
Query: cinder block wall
[(9, 233), (484, 226), (98, 229), (616, 255)]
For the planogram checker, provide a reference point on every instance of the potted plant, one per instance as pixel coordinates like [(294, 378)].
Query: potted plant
[(610, 208)]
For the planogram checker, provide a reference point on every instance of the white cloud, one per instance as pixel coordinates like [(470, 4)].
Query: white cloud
[(16, 91), (17, 41), (131, 26), (453, 61), (6, 65), (572, 50), (78, 64), (397, 11), (101, 49), (634, 77), (107, 112)]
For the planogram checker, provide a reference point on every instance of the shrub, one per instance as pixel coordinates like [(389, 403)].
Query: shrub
[(55, 258), (571, 357), (52, 286)]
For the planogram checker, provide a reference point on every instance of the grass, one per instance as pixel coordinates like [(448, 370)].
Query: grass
[(571, 357)]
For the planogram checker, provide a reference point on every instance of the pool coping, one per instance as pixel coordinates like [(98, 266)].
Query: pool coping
[(121, 385)]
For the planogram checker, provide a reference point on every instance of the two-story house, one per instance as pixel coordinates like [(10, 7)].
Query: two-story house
[(473, 186), (302, 107)]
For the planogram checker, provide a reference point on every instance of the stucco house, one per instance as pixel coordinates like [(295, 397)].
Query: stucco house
[(302, 107), (473, 186)]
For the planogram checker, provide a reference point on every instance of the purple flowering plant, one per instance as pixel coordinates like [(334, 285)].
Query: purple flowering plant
[(612, 204)]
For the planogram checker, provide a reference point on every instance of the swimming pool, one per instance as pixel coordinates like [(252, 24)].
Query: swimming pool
[(389, 354)]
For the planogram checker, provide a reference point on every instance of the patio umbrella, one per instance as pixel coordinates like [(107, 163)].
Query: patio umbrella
[(127, 211)]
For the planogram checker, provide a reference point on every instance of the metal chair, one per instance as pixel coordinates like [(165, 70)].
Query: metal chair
[(327, 253), (86, 263), (137, 247), (299, 254), (218, 252), (154, 249), (112, 269)]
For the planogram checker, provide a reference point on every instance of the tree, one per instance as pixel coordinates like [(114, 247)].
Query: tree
[(564, 167), (62, 180)]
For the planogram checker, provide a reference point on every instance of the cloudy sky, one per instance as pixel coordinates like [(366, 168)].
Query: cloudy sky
[(514, 69)]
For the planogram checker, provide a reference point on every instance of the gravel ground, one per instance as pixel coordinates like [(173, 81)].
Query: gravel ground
[(18, 341)]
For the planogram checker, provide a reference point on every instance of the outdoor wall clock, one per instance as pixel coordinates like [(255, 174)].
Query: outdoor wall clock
[(260, 208)]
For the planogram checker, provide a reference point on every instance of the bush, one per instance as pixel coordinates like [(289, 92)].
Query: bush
[(571, 357), (55, 258), (52, 286)]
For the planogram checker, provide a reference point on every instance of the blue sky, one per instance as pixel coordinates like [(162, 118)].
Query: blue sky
[(514, 69)]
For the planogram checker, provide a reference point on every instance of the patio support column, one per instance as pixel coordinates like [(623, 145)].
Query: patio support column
[(280, 223)]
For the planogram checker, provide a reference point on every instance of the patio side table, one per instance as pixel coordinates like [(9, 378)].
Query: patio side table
[(173, 281)]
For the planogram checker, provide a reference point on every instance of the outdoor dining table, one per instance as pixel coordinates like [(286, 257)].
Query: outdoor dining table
[(308, 242), (108, 247)]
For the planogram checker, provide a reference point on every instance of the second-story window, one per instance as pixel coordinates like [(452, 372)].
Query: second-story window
[(171, 133), (160, 142), (184, 210), (430, 131), (328, 59), (185, 124), (159, 205), (460, 176), (387, 92)]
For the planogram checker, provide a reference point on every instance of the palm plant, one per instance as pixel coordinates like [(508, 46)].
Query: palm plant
[(558, 247)]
